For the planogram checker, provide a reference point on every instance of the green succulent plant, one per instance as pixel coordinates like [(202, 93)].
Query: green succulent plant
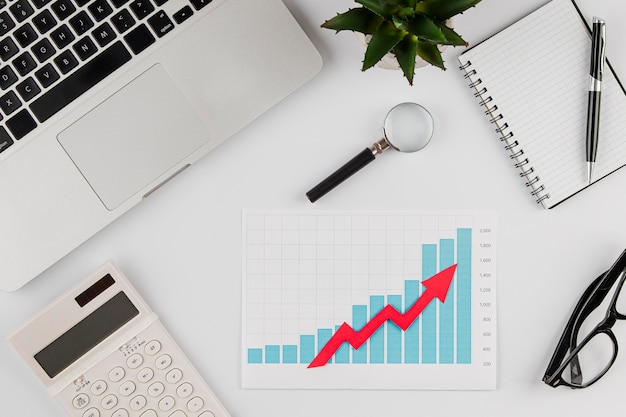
[(406, 28)]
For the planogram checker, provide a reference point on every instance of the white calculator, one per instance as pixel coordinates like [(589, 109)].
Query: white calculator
[(102, 352)]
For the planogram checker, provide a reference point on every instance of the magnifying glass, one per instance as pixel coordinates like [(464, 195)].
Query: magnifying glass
[(408, 128)]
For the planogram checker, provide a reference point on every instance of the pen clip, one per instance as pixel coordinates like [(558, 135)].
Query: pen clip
[(598, 48)]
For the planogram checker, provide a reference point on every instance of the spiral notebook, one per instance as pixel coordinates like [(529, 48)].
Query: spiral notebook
[(532, 80)]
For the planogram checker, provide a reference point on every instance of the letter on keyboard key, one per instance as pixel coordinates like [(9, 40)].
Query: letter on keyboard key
[(80, 81)]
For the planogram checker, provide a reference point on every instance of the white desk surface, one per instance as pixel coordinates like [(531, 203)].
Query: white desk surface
[(182, 247)]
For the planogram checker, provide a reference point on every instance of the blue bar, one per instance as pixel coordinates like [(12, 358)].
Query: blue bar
[(464, 296), (446, 310), (412, 334), (429, 315), (290, 354), (394, 333), (343, 353), (359, 319), (323, 336), (377, 340), (272, 354), (255, 355), (307, 348)]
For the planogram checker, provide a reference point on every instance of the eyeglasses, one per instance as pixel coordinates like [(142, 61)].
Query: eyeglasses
[(588, 347)]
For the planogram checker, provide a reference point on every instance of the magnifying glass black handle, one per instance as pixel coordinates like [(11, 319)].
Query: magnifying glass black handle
[(346, 171)]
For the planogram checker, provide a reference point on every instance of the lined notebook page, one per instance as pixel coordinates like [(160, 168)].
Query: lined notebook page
[(537, 73)]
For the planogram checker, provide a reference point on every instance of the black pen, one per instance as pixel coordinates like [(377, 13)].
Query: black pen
[(598, 50)]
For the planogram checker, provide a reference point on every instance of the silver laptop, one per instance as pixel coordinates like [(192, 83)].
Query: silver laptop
[(103, 101)]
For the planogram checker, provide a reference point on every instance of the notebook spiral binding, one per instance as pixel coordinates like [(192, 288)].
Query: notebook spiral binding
[(527, 172)]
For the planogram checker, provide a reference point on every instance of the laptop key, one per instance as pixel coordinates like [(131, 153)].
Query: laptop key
[(66, 61), (81, 23), (141, 8), (63, 9), (7, 77), (22, 10), (183, 14), (43, 50), (40, 3), (21, 124), (9, 103), (123, 21), (62, 36), (28, 89), (139, 39), (199, 4), (85, 48), (47, 75), (24, 63), (100, 9), (90, 74), (44, 21), (160, 23), (8, 48), (6, 23), (25, 35), (5, 139), (104, 34)]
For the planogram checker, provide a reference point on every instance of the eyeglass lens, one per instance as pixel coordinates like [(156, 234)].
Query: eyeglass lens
[(597, 348), (591, 362)]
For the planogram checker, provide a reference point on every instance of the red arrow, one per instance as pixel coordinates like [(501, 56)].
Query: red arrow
[(436, 286)]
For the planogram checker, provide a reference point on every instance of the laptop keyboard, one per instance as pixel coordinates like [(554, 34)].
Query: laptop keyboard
[(53, 51)]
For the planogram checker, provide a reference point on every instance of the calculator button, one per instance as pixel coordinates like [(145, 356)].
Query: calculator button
[(117, 374), (120, 413), (163, 361), (92, 412), (156, 389), (80, 401), (98, 387), (138, 402), (127, 388), (167, 403), (152, 348), (149, 413), (109, 402), (134, 361), (174, 376), (207, 414), (178, 413), (195, 404), (145, 375), (184, 390)]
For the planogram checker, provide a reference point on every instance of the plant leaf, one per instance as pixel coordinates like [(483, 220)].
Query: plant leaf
[(404, 3), (444, 9), (425, 29), (430, 53), (383, 40), (382, 8), (358, 20), (452, 38), (405, 54)]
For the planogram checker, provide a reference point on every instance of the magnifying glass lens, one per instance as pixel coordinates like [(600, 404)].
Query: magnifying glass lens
[(408, 127)]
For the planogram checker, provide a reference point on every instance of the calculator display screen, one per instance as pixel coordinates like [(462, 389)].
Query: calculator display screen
[(85, 335)]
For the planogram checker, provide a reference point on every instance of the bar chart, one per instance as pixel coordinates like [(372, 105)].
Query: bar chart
[(332, 297)]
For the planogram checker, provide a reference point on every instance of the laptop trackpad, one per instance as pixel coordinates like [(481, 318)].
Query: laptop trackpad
[(134, 137)]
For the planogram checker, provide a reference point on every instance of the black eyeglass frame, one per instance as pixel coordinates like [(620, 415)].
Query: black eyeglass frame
[(566, 352)]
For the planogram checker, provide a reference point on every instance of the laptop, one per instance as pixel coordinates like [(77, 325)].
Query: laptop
[(103, 101)]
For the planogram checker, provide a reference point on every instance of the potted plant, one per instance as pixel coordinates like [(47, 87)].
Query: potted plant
[(405, 28)]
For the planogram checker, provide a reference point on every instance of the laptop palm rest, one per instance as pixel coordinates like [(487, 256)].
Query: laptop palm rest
[(110, 144)]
